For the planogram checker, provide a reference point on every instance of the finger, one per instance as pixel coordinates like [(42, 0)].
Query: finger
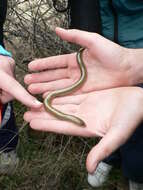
[(85, 39), (42, 114), (46, 76), (109, 143), (50, 86), (57, 126), (122, 128), (54, 62), (11, 86)]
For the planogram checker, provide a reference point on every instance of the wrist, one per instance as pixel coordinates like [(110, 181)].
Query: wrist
[(135, 59)]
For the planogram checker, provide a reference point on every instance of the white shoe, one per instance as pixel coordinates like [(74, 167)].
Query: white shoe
[(8, 162), (135, 186), (100, 175)]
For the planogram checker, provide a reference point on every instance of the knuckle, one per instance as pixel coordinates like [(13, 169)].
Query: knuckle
[(31, 88)]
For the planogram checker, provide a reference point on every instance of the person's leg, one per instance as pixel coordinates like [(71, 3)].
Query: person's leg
[(8, 141), (132, 159)]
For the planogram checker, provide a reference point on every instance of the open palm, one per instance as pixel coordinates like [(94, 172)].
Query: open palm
[(106, 63), (111, 114)]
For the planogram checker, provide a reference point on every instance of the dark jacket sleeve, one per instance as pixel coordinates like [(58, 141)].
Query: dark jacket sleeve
[(3, 10)]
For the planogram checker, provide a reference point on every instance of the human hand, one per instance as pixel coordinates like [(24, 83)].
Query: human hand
[(10, 88), (106, 62), (111, 114)]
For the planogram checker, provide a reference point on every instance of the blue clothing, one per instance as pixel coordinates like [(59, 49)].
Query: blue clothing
[(4, 52), (128, 15)]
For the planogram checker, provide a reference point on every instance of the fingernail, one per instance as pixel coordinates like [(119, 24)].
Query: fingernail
[(37, 103), (28, 77)]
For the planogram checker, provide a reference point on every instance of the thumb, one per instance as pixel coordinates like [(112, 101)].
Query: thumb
[(107, 145), (82, 38), (93, 41), (15, 89)]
